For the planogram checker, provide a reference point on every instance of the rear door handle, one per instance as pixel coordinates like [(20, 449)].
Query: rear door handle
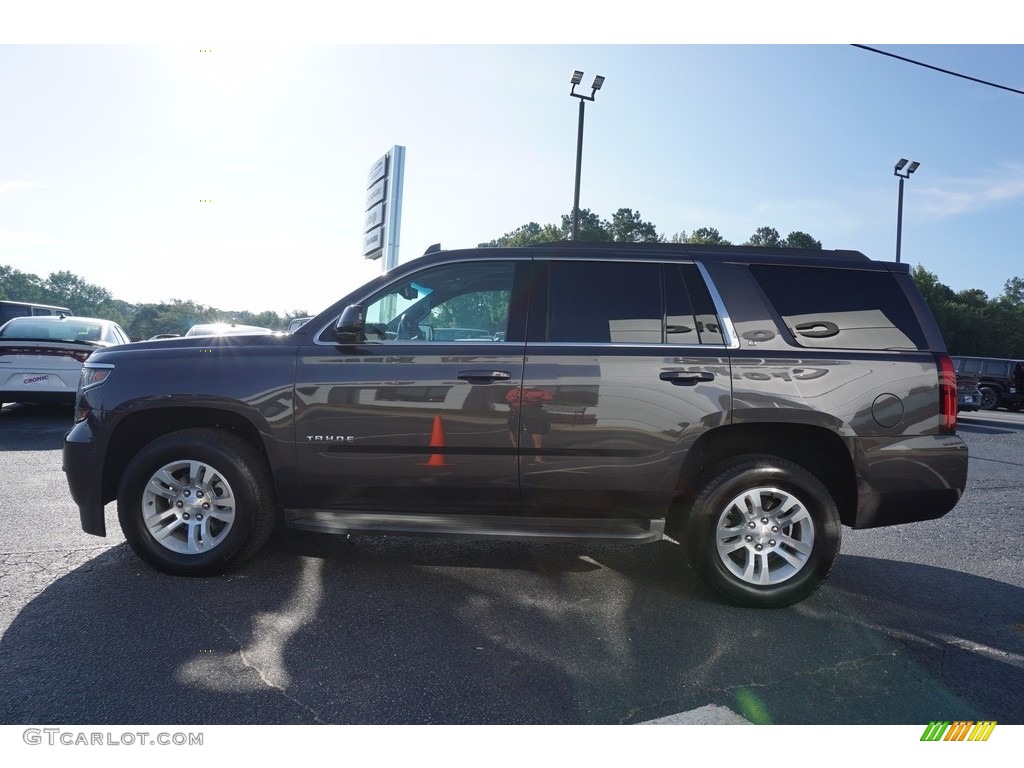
[(484, 376), (686, 378)]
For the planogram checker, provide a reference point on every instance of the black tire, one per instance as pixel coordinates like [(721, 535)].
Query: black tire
[(989, 399), (763, 531), (212, 497)]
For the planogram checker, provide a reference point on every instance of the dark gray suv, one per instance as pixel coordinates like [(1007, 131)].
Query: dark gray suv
[(745, 402)]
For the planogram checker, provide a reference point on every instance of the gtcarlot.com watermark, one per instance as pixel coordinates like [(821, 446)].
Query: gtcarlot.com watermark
[(72, 738)]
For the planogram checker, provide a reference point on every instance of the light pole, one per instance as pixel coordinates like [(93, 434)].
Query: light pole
[(577, 76), (903, 171)]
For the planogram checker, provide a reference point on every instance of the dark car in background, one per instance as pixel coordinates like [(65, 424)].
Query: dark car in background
[(12, 309), (1001, 380), (41, 357)]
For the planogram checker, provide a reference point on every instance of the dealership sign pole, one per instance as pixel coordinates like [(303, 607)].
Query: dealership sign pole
[(383, 208)]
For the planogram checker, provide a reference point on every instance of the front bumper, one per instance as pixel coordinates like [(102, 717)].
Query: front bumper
[(83, 467)]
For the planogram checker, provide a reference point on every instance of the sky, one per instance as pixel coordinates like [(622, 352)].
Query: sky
[(226, 163)]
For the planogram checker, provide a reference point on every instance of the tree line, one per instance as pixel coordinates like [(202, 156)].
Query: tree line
[(140, 321), (971, 322), (628, 226)]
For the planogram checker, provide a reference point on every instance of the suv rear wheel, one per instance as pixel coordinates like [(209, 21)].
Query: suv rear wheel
[(763, 531), (989, 399), (192, 503)]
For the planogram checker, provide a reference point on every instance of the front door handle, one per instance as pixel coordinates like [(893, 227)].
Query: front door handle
[(686, 378), (484, 376)]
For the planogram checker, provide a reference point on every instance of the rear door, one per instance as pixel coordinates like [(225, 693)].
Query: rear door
[(626, 366)]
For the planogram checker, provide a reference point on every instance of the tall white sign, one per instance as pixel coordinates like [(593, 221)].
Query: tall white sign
[(383, 209)]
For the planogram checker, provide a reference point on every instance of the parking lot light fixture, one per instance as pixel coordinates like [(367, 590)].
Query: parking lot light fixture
[(903, 171), (577, 78)]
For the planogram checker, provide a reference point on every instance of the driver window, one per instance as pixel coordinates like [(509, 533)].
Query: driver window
[(466, 302)]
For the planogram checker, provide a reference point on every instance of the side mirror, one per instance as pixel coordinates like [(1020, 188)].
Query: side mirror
[(349, 328)]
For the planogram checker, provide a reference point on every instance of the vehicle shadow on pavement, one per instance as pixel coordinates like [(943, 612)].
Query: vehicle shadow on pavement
[(395, 630)]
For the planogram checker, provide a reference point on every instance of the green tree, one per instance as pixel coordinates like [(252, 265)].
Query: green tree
[(628, 227), (70, 290), (294, 315), (528, 234), (121, 312), (1013, 293), (934, 292), (766, 237), (706, 236), (175, 316), (802, 240), (16, 285), (593, 228)]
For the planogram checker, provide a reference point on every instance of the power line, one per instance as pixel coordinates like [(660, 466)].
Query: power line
[(939, 69)]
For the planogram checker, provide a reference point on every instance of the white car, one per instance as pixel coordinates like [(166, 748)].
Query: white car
[(41, 357)]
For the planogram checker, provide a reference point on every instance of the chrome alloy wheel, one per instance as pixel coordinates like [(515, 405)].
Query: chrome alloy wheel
[(765, 536), (188, 507)]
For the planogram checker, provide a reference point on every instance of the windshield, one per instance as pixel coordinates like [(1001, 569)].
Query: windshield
[(66, 329)]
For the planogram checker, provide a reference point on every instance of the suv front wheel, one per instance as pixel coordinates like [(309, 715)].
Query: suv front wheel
[(195, 501), (763, 531)]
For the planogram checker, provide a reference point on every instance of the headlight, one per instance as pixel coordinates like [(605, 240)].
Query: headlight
[(91, 376), (94, 375)]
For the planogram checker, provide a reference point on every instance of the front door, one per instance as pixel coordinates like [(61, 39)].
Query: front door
[(414, 418)]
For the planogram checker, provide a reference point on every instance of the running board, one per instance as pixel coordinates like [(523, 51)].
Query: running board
[(479, 526)]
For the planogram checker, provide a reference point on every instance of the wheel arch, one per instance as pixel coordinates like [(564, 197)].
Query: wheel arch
[(820, 451), (138, 429)]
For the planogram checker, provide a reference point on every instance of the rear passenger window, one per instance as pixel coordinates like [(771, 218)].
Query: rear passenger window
[(995, 368), (602, 302), (841, 308), (691, 316), (680, 319), (971, 366), (607, 302)]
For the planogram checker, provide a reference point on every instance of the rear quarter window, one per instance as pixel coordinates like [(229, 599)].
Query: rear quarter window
[(997, 368), (833, 308)]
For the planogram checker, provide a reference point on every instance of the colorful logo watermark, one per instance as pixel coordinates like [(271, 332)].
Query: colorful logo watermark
[(959, 730)]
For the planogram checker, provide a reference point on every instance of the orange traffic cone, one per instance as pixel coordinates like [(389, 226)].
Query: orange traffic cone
[(436, 441)]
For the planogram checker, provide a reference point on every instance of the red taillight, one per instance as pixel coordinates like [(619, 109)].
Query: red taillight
[(947, 394), (11, 348)]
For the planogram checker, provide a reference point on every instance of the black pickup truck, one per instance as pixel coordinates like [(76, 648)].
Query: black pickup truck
[(744, 402)]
